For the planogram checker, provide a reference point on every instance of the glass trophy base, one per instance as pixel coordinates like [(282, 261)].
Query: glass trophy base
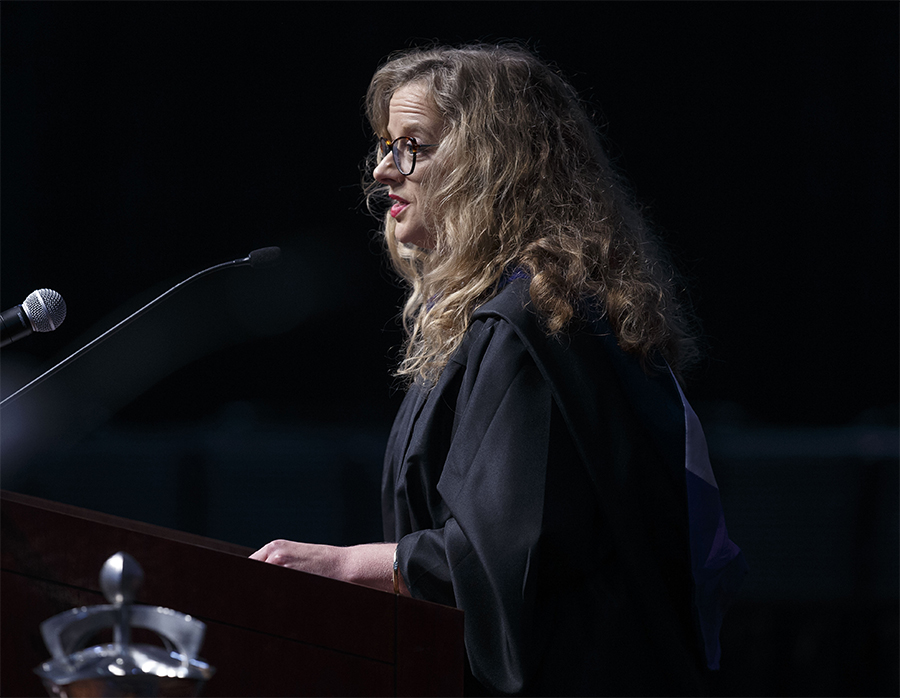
[(145, 671)]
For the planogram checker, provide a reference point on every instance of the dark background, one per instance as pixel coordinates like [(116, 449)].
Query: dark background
[(142, 142)]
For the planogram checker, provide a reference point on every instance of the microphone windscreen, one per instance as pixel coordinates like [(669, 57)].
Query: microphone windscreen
[(265, 257), (45, 309)]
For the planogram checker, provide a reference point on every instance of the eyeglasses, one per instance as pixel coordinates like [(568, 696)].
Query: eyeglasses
[(405, 150)]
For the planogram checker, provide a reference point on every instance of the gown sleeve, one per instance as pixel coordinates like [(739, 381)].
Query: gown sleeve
[(479, 553)]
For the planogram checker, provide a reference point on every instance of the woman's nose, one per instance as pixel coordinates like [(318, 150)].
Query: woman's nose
[(386, 172)]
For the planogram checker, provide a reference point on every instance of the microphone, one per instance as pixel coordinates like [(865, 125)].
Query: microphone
[(263, 258), (258, 259), (42, 311)]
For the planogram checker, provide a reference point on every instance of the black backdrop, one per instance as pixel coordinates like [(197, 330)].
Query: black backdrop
[(145, 141), (142, 142)]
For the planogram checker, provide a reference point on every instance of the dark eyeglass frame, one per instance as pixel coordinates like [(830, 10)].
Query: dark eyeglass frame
[(386, 146)]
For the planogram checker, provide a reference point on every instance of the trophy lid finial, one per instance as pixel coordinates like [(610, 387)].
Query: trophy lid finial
[(120, 578)]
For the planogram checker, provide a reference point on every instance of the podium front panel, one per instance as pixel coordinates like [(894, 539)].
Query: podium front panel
[(271, 631)]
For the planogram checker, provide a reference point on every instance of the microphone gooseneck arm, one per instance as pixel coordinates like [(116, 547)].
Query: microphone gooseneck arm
[(267, 256)]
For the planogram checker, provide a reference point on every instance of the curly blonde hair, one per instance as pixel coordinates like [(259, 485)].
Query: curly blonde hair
[(521, 182)]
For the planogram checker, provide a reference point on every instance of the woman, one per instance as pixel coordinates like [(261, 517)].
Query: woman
[(544, 473)]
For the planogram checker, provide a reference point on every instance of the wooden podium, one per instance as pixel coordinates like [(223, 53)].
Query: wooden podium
[(270, 631)]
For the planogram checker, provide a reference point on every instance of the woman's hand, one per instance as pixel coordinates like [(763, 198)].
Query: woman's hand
[(370, 565), (324, 560)]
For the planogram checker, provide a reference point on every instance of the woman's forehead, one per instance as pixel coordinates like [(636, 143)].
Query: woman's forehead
[(411, 105)]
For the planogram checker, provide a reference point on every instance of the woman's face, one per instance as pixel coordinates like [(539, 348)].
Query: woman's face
[(410, 114)]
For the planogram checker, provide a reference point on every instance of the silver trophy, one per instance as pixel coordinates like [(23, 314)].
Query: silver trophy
[(122, 668)]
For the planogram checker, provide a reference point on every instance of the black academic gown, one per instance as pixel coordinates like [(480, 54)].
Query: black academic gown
[(540, 487)]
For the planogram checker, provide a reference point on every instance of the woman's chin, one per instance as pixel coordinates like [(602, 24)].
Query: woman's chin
[(419, 238)]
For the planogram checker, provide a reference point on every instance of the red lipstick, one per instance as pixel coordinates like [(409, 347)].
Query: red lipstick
[(398, 206)]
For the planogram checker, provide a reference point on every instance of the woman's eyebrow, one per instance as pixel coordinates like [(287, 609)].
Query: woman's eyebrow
[(412, 127)]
